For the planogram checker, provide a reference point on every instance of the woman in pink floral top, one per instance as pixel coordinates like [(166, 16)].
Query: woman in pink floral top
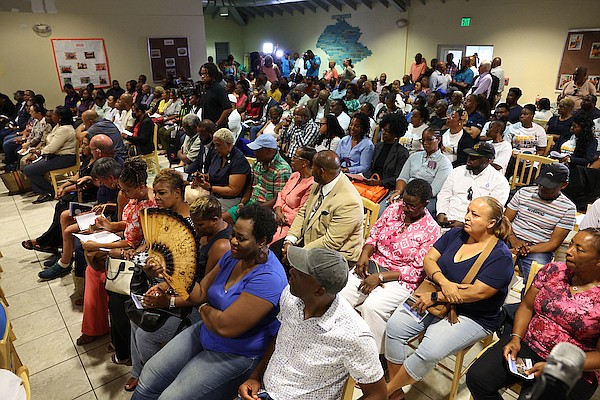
[(562, 305), (390, 266)]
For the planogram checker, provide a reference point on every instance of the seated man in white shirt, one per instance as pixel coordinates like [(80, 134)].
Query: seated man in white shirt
[(321, 340), (502, 147), (467, 182)]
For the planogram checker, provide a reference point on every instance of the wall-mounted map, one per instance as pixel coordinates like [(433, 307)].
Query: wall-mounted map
[(340, 41)]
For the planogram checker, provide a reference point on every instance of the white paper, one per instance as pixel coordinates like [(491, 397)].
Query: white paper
[(99, 237), (84, 221), (125, 131), (155, 115), (23, 152), (556, 154)]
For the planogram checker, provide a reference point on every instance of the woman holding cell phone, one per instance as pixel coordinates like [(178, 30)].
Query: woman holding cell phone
[(562, 305)]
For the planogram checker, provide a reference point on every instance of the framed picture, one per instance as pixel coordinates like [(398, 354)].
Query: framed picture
[(564, 79), (155, 53), (169, 42), (575, 41), (82, 61), (595, 79), (182, 51), (595, 50), (169, 62)]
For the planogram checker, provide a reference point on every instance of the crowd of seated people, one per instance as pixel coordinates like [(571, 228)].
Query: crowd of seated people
[(271, 159)]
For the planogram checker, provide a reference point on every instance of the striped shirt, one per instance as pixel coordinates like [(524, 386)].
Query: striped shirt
[(297, 136), (536, 218), (269, 179)]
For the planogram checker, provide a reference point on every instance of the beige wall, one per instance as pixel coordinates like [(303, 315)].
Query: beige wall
[(27, 61), (528, 35)]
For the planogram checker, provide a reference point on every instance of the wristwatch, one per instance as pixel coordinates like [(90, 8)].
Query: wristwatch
[(172, 302), (434, 297), (380, 277)]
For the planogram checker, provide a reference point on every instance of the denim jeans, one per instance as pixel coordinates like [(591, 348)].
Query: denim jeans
[(146, 344), (524, 263), (184, 370), (441, 339)]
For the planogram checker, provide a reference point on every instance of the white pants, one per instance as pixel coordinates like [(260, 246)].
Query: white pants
[(378, 306)]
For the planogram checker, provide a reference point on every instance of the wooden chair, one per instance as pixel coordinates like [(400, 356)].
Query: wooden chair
[(58, 176), (535, 268), (376, 134), (152, 158), (3, 297), (9, 359), (527, 168), (348, 391), (23, 373), (251, 161), (371, 215), (549, 145)]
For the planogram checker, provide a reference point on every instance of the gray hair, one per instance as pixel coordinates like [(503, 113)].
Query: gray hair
[(486, 65), (105, 167), (190, 120), (224, 135)]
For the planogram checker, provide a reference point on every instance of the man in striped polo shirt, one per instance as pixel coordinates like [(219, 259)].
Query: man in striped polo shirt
[(541, 217)]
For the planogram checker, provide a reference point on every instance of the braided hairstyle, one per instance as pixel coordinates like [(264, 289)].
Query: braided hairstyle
[(586, 135), (134, 172)]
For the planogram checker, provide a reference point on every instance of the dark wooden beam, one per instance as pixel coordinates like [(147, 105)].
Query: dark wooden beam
[(237, 16), (321, 4), (298, 7), (367, 3), (267, 11), (287, 8), (335, 4), (350, 4), (276, 9), (258, 11), (399, 4), (310, 6), (423, 1), (215, 12), (385, 3)]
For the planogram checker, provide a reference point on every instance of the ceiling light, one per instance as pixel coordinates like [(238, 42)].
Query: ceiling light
[(223, 11)]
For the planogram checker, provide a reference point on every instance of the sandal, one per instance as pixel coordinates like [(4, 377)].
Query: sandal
[(85, 339), (115, 360), (28, 244), (131, 384)]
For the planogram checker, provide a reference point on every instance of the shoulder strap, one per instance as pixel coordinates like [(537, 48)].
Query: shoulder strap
[(480, 260)]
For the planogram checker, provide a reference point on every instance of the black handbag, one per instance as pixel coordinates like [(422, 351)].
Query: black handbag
[(151, 320)]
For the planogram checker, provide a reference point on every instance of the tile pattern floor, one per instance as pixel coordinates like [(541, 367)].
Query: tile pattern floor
[(47, 323)]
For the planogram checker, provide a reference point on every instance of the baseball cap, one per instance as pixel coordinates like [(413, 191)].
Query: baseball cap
[(552, 175), (482, 149), (327, 266), (264, 141)]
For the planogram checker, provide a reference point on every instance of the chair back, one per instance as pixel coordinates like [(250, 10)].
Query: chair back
[(348, 391), (371, 214), (527, 168), (23, 373), (550, 145), (376, 134), (251, 161), (152, 158), (535, 268)]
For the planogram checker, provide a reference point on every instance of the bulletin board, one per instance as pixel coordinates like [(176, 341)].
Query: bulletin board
[(80, 62), (582, 49), (169, 56)]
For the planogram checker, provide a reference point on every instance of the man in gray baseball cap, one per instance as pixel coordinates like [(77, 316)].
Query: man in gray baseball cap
[(319, 331)]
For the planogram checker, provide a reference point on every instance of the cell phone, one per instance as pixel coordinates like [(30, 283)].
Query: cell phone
[(408, 304), (519, 366), (137, 300)]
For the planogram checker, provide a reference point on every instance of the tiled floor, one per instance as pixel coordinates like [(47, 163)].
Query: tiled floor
[(47, 323)]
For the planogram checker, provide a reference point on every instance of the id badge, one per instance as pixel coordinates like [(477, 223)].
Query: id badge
[(431, 164)]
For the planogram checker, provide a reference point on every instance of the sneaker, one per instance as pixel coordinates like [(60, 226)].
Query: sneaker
[(55, 271), (51, 261)]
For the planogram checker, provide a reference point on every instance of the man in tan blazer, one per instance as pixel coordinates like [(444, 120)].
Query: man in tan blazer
[(333, 215)]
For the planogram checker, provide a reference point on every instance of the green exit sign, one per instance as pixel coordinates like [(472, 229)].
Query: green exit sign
[(465, 22)]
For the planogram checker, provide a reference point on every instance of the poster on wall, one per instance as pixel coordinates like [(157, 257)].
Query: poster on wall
[(169, 58), (80, 62), (581, 49)]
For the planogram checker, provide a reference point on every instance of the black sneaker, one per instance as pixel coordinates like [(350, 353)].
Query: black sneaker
[(55, 271)]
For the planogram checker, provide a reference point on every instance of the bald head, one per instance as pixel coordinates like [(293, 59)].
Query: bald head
[(126, 100), (89, 118), (102, 146), (328, 160)]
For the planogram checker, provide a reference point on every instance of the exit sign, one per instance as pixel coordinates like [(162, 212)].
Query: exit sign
[(465, 22)]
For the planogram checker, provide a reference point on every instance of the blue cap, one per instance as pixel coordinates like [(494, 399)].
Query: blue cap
[(265, 141)]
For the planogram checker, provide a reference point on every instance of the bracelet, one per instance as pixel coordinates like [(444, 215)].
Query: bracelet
[(517, 335), (202, 305), (440, 271)]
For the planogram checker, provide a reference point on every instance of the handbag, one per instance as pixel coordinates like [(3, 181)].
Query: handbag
[(373, 193), (118, 275), (449, 310), (16, 182)]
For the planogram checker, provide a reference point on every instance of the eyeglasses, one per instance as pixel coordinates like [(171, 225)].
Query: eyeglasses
[(470, 194), (433, 139), (295, 157)]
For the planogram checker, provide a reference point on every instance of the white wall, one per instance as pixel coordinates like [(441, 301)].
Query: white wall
[(528, 35), (27, 61)]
